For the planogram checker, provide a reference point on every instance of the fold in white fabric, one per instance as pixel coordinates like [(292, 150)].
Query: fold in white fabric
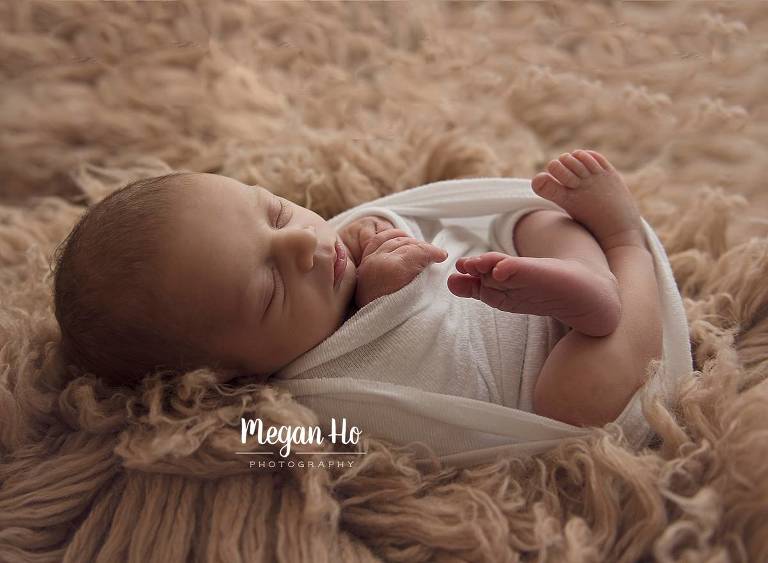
[(429, 369)]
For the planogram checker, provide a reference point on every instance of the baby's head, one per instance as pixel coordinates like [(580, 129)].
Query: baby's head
[(189, 270)]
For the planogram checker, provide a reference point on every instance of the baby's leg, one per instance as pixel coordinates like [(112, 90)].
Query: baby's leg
[(561, 272), (586, 380), (596, 275)]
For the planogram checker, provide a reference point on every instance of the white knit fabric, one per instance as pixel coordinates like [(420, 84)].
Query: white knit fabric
[(424, 366)]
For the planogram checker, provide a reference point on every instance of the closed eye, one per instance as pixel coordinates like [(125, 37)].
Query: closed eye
[(276, 282), (284, 215), (279, 214), (275, 277)]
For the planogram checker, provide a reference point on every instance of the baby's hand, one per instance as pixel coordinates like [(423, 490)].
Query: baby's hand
[(390, 261), (358, 233)]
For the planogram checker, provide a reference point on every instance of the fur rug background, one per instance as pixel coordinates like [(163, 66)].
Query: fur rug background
[(333, 104)]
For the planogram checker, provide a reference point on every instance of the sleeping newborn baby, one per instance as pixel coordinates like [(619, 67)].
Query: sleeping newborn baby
[(190, 269)]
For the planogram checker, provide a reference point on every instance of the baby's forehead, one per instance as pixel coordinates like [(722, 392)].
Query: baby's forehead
[(217, 182), (205, 198), (197, 180)]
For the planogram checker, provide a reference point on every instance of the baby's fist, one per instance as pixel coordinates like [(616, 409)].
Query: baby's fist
[(390, 261), (358, 233)]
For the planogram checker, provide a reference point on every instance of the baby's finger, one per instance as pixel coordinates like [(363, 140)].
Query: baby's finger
[(381, 238), (426, 253), (436, 253), (367, 230), (396, 244), (374, 225), (416, 257)]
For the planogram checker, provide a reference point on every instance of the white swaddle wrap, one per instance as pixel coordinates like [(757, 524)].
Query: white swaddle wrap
[(424, 366)]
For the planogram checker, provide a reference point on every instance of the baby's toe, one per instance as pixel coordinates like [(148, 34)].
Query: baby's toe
[(467, 266), (544, 185), (480, 264), (544, 182), (463, 286), (505, 269), (574, 165), (601, 160), (562, 174), (588, 161)]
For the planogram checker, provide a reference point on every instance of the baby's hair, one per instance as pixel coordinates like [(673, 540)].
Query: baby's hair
[(113, 321)]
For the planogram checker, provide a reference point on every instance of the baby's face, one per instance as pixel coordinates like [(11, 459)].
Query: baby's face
[(259, 267)]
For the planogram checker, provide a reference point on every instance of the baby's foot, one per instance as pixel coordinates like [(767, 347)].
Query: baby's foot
[(590, 189), (568, 290)]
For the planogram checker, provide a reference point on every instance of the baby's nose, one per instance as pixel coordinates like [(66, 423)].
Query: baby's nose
[(301, 243)]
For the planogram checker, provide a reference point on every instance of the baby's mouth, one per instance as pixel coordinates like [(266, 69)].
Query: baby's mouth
[(339, 264)]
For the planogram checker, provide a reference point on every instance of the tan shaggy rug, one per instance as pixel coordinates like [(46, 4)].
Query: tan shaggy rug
[(333, 104)]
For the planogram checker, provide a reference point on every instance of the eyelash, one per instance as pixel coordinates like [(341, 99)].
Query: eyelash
[(279, 214), (275, 277)]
